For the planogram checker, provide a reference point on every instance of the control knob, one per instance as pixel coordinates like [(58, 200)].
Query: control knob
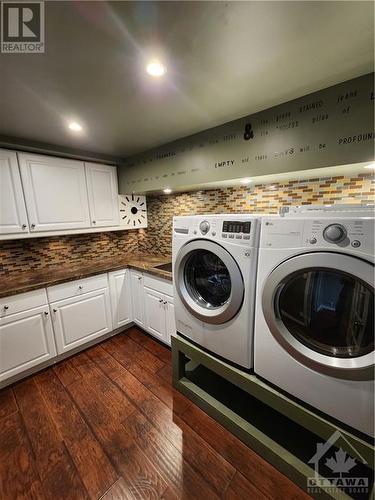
[(334, 233), (204, 227)]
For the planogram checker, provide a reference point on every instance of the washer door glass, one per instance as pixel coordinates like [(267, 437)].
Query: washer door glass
[(328, 311), (207, 279)]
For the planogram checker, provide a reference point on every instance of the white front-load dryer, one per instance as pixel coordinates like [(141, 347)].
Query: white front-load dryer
[(214, 277), (314, 327)]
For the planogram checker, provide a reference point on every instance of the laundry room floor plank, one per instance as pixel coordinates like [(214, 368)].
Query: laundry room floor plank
[(8, 404), (107, 423)]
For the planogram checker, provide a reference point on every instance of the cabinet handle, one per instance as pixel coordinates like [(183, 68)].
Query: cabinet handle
[(139, 277), (6, 308), (80, 287), (55, 310), (46, 313), (24, 226), (165, 302), (160, 301), (94, 221), (32, 226)]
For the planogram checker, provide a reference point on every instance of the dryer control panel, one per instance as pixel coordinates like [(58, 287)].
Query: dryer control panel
[(356, 235)]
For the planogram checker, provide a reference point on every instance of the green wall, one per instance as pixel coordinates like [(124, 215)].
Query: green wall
[(334, 126)]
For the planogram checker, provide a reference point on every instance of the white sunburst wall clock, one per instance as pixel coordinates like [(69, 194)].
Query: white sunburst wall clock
[(133, 211)]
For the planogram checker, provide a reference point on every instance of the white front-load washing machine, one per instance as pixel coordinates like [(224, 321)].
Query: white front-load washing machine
[(214, 277), (314, 326)]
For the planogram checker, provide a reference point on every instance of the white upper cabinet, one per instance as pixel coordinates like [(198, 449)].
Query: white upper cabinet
[(55, 192), (103, 194), (13, 218)]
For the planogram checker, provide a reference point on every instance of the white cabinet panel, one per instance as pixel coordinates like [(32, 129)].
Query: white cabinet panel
[(138, 299), (103, 194), (13, 218), (155, 313), (121, 299), (77, 287), (170, 321), (78, 320), (55, 192), (26, 340)]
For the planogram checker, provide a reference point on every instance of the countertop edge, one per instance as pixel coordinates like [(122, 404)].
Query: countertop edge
[(16, 290)]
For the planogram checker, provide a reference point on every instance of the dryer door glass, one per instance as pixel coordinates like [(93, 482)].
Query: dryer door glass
[(207, 279), (329, 311)]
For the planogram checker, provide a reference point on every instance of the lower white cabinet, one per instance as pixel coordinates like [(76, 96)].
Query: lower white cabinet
[(155, 313), (160, 320), (138, 299), (37, 326), (121, 297), (26, 337), (80, 319), (170, 321)]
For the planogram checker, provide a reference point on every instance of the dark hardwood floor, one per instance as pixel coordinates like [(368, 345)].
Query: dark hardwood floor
[(107, 423)]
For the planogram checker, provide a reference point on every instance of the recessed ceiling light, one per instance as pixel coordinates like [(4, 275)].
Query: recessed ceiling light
[(371, 167), (76, 127), (167, 190), (156, 68), (246, 180)]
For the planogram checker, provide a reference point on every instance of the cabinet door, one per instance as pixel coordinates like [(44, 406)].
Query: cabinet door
[(121, 300), (55, 192), (155, 313), (103, 194), (13, 218), (26, 340), (170, 321), (137, 292), (81, 319)]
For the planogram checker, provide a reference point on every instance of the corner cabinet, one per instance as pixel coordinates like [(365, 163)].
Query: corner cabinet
[(138, 298), (13, 218), (103, 194), (121, 297), (55, 192)]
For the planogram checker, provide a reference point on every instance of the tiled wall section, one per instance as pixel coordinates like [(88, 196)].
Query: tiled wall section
[(261, 198), (41, 253)]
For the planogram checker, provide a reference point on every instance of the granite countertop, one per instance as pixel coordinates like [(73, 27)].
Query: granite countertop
[(32, 280)]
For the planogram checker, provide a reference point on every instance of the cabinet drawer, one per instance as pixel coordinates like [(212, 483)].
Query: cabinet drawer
[(22, 302), (158, 284), (76, 288)]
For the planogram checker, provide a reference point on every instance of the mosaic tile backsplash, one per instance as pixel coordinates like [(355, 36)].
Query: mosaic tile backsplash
[(261, 198), (42, 253)]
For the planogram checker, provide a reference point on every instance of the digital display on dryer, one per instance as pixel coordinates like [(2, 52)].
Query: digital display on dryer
[(234, 226)]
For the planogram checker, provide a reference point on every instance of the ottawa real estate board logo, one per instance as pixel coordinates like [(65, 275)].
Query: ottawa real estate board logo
[(22, 27)]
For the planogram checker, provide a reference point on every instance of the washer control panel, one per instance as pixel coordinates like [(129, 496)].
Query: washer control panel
[(235, 226)]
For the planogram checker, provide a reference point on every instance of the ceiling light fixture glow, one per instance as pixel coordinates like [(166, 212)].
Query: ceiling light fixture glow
[(246, 180), (167, 190), (370, 167), (156, 68), (76, 127)]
